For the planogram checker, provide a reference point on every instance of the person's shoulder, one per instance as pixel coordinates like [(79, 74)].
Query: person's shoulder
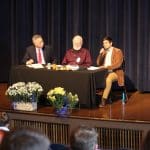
[(84, 49), (116, 49), (30, 47), (48, 47), (69, 50), (59, 147)]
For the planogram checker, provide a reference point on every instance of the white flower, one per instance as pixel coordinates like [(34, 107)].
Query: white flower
[(23, 91)]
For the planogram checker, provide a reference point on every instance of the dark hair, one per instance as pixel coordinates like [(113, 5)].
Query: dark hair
[(83, 138), (146, 142), (107, 38), (25, 139)]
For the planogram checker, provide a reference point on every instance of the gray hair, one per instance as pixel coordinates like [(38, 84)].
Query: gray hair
[(36, 36), (25, 139), (83, 138)]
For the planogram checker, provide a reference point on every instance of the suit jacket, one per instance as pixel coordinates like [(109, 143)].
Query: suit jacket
[(116, 63), (31, 54)]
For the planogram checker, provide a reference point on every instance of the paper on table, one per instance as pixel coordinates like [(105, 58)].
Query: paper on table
[(35, 66), (92, 68), (73, 67)]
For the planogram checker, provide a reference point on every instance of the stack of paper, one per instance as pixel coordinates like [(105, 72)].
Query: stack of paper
[(35, 66)]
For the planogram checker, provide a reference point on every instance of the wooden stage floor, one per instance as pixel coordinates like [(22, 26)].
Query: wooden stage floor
[(135, 110)]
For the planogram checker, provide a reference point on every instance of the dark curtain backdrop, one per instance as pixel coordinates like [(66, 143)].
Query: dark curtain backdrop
[(126, 21)]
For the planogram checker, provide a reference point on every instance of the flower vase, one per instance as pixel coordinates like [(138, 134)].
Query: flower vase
[(63, 112), (24, 106)]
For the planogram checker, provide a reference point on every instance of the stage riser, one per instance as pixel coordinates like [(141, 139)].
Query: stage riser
[(112, 135), (110, 138), (58, 133)]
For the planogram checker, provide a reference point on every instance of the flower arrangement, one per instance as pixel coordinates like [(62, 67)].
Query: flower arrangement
[(22, 92), (60, 98)]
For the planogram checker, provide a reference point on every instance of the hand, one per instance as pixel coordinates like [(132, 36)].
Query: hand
[(102, 51), (29, 62)]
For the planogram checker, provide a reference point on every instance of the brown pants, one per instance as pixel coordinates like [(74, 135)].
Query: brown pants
[(109, 80)]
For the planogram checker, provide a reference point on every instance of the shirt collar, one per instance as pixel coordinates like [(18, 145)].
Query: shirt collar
[(76, 51), (110, 49)]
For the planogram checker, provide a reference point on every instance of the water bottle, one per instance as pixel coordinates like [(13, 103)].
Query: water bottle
[(123, 98), (49, 66)]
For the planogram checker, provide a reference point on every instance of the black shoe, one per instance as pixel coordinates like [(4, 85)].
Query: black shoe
[(103, 102), (109, 100)]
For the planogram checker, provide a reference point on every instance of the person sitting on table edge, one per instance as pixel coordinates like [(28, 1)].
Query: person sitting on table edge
[(38, 52), (110, 58), (77, 55)]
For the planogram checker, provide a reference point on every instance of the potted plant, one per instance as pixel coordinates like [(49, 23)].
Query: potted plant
[(24, 96), (62, 100)]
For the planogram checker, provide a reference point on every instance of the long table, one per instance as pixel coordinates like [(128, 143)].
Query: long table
[(82, 82)]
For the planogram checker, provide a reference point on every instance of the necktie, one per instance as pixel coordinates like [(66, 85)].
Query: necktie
[(39, 57)]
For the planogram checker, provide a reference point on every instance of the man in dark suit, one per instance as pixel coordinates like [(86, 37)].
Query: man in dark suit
[(38, 52)]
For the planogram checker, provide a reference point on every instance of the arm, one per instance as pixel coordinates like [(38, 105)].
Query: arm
[(64, 62), (88, 60), (117, 60), (101, 57), (27, 59)]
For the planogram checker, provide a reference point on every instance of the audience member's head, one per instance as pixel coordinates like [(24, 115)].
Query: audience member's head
[(83, 138), (146, 142), (25, 139)]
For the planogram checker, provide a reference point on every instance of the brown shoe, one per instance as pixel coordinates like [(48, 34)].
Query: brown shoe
[(103, 102)]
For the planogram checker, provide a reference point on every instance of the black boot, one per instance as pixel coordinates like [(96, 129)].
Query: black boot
[(103, 102)]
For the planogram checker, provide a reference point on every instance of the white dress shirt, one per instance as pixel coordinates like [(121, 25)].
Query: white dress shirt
[(107, 61)]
